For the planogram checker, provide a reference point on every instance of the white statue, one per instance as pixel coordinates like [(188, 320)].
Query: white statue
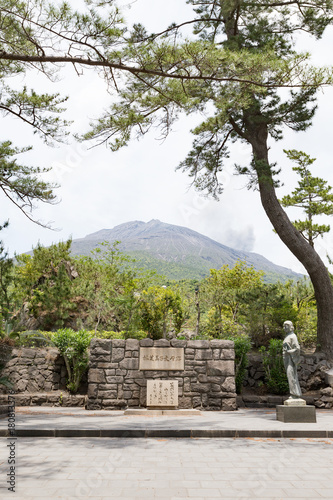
[(291, 359)]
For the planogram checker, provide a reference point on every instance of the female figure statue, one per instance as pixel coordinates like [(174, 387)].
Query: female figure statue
[(291, 359)]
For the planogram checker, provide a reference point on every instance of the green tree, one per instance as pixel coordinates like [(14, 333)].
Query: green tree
[(74, 348), (302, 296), (43, 286), (107, 289), (6, 277), (22, 184), (224, 288), (160, 310), (239, 57), (265, 308), (53, 289), (275, 373), (229, 34), (313, 195), (242, 345)]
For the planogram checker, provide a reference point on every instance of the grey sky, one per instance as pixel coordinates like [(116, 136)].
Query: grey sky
[(100, 189)]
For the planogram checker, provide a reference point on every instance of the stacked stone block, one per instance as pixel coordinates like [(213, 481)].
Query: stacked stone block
[(207, 382), (35, 370), (39, 378), (311, 371)]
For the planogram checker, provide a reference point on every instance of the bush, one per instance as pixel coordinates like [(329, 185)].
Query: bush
[(275, 374), (4, 380), (242, 347), (34, 338), (219, 326), (307, 327), (74, 348), (139, 334)]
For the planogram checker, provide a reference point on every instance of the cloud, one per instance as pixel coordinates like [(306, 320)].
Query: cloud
[(241, 240)]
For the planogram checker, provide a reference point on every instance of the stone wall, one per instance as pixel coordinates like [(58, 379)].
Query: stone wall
[(311, 372), (115, 381), (322, 398), (207, 382), (35, 370), (54, 398), (38, 376)]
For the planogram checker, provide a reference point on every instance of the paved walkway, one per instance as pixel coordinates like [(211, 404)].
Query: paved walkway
[(77, 422), (165, 468), (170, 469)]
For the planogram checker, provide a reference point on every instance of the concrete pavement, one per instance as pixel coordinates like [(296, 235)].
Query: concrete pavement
[(45, 421), (173, 469), (123, 468)]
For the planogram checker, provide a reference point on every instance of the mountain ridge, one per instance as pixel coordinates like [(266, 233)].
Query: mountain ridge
[(156, 244)]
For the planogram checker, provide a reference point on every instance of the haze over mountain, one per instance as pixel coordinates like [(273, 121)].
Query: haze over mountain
[(175, 251)]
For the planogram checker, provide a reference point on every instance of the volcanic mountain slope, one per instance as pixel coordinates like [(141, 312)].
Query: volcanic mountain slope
[(175, 251)]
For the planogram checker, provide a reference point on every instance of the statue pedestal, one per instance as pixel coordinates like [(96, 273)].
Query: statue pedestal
[(294, 402), (297, 414)]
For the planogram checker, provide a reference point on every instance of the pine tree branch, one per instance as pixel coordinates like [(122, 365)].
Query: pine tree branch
[(42, 59)]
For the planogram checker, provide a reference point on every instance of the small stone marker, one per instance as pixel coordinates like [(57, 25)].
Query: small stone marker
[(162, 393), (161, 358)]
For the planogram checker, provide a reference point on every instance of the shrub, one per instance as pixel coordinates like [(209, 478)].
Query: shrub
[(242, 347), (307, 327), (275, 375), (6, 382), (219, 326), (139, 334), (74, 348), (34, 338)]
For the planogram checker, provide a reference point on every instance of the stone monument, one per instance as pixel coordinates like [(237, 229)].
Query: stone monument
[(161, 358), (162, 394), (294, 408), (119, 370)]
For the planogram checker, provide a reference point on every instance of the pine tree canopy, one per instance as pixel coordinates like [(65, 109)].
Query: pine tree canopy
[(312, 194)]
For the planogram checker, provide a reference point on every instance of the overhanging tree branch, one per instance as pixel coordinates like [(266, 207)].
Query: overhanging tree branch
[(42, 59)]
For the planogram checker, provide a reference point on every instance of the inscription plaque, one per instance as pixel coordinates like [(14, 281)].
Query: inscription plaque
[(162, 393), (161, 358)]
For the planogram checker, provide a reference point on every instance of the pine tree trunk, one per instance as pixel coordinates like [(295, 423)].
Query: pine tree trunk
[(297, 245)]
